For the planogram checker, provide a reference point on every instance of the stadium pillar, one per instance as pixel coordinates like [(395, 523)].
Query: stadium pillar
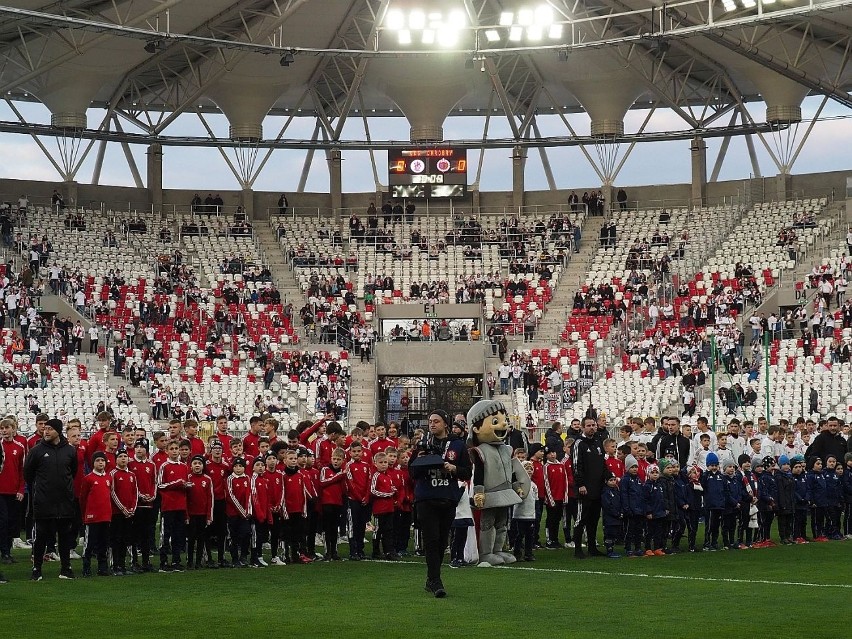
[(698, 149), (783, 187), (335, 181), (247, 202), (69, 192), (519, 161), (155, 175)]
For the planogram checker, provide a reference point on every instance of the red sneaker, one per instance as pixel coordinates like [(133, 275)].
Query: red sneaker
[(304, 559), (800, 540), (821, 539)]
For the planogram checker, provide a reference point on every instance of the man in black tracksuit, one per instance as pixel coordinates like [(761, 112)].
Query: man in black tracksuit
[(669, 441), (49, 471), (589, 479)]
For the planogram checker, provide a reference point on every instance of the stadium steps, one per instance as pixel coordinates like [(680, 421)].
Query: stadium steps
[(573, 276), (362, 390), (282, 276)]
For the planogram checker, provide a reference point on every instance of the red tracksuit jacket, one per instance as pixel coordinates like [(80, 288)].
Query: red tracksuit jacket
[(199, 497), (96, 498), (358, 482), (196, 446), (260, 505), (405, 488), (159, 458), (125, 492), (171, 483), (615, 466), (145, 472), (12, 468), (218, 472), (332, 486), (295, 493), (80, 473), (555, 482), (238, 503), (383, 493), (275, 487), (538, 477)]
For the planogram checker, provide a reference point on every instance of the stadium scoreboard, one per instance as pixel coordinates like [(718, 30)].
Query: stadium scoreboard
[(435, 172)]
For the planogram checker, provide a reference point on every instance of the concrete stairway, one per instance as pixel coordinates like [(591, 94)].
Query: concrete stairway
[(282, 275), (362, 390)]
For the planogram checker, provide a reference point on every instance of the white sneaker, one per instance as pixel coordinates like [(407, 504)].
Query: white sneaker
[(262, 562), (276, 561), (51, 556), (569, 544), (75, 555), (20, 544), (267, 546)]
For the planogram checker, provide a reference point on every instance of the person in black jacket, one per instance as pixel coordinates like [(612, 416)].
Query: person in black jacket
[(438, 462), (49, 471), (828, 443), (670, 441), (553, 440), (590, 474)]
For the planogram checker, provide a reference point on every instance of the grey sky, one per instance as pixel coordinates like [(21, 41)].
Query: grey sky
[(652, 163)]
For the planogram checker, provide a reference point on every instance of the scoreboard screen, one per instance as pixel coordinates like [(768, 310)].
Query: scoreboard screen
[(436, 172)]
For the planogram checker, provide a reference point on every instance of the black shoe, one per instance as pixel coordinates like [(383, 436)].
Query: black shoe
[(136, 569), (190, 565), (579, 554), (8, 559), (177, 567), (224, 563), (149, 568), (36, 575), (117, 572), (354, 558), (212, 565), (3, 579), (87, 572), (529, 558), (103, 573), (336, 557), (436, 588), (165, 568)]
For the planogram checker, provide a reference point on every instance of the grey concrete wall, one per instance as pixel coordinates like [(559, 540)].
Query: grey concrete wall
[(430, 358), (416, 311), (116, 197)]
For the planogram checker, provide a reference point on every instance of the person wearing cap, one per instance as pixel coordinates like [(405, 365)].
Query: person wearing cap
[(49, 471), (713, 484), (438, 463)]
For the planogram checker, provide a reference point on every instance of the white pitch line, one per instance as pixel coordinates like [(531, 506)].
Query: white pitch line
[(650, 576)]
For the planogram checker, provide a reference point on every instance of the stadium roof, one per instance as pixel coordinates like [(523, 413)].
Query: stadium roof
[(127, 70)]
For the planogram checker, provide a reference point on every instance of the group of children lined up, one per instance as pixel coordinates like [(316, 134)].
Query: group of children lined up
[(223, 502), (650, 505)]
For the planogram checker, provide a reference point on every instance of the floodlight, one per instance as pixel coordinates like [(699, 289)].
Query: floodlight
[(749, 4), (516, 33), (152, 45), (544, 15), (507, 18), (448, 37), (287, 59), (534, 32), (404, 36), (492, 35), (457, 19), (525, 17), (416, 19), (395, 20), (428, 36), (555, 31)]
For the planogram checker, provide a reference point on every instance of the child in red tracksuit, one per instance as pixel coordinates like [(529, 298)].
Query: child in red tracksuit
[(555, 484), (570, 495), (96, 506), (172, 484), (332, 493), (145, 519), (295, 509), (125, 497), (358, 494), (537, 477), (383, 494), (275, 487), (199, 511), (404, 502), (261, 511), (238, 510), (307, 464)]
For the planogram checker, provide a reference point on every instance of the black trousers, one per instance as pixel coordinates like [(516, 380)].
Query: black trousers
[(196, 533), (217, 531), (97, 545), (9, 513), (712, 523), (240, 530), (312, 527), (276, 533), (588, 516), (383, 537), (294, 535), (434, 518), (330, 524), (554, 518), (358, 516), (401, 530), (524, 529), (120, 536), (46, 532), (785, 526), (800, 523), (261, 534), (144, 523), (635, 524), (173, 536)]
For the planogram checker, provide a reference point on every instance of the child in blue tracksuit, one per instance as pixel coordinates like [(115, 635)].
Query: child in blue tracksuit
[(733, 489), (834, 486), (611, 510), (767, 497), (713, 484), (847, 496), (655, 511), (632, 507), (688, 492), (801, 499), (786, 500), (819, 497)]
